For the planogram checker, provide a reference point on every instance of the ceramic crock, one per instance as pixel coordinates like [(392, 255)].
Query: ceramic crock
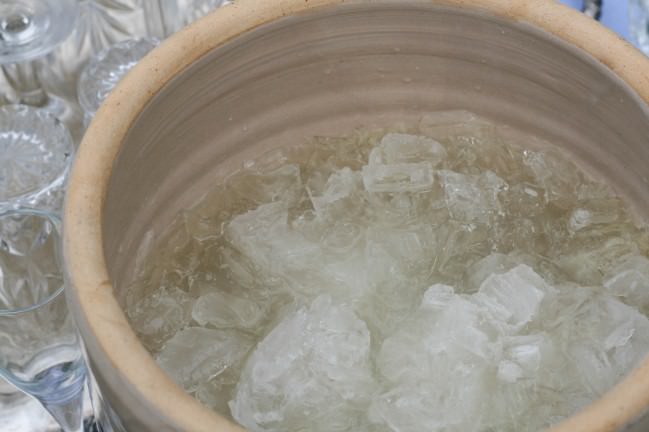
[(262, 73)]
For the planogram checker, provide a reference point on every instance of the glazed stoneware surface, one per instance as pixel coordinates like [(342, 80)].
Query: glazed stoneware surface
[(258, 75)]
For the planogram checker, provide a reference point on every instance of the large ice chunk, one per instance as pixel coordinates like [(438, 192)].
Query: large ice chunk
[(630, 281), (412, 248), (605, 342), (495, 263), (256, 233), (519, 395), (595, 212), (402, 163), (438, 297), (445, 329), (436, 367), (398, 266), (513, 298), (556, 174), (264, 185), (265, 238), (340, 184), (217, 392), (399, 177), (223, 310), (586, 263), (197, 355), (311, 372), (447, 125), (158, 316), (521, 358), (397, 148), (452, 404), (460, 246), (472, 198)]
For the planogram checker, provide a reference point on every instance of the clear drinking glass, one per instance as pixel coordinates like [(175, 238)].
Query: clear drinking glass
[(106, 69), (32, 28), (40, 350), (29, 29), (36, 151)]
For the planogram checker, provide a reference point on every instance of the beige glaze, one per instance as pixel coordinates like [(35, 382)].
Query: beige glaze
[(263, 74)]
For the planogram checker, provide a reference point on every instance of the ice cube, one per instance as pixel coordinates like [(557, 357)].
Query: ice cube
[(495, 263), (595, 212), (445, 125), (509, 371), (412, 248), (592, 189), (257, 227), (525, 384), (521, 357), (330, 197), (197, 355), (400, 177), (262, 186), (450, 405), (472, 198), (593, 367), (396, 148), (524, 200), (555, 173), (394, 210), (527, 356), (346, 279), (343, 236), (602, 340), (311, 368), (514, 297), (217, 392), (223, 310), (160, 315), (438, 297), (253, 233), (588, 265), (264, 237), (434, 339), (627, 335), (630, 281), (460, 246), (580, 218), (215, 395), (398, 265)]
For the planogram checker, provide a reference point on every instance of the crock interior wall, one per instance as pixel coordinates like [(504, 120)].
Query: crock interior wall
[(337, 69)]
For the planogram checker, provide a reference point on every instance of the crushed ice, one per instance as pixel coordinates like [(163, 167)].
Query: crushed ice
[(449, 281)]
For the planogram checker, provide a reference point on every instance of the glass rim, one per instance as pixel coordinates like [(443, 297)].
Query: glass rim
[(56, 223)]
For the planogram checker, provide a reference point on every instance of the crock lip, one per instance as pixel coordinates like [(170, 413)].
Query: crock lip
[(91, 289)]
